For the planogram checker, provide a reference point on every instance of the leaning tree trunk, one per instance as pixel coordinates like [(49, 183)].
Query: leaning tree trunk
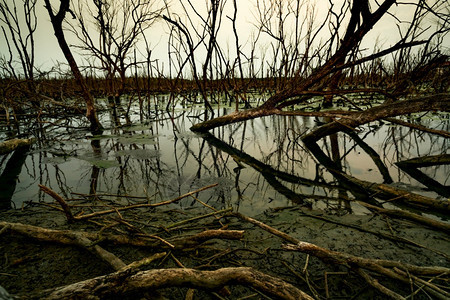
[(297, 86), (57, 20)]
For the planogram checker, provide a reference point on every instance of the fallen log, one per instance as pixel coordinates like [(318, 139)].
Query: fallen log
[(70, 237), (403, 214), (438, 102), (11, 145), (133, 283), (385, 268), (79, 239)]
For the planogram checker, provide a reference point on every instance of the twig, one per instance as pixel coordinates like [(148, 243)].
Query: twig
[(431, 288), (145, 261), (142, 205), (373, 282), (5, 228), (61, 201), (198, 218)]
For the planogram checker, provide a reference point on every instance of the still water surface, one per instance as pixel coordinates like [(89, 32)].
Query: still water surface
[(258, 164)]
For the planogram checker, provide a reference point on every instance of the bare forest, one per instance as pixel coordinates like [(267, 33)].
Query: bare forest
[(224, 149)]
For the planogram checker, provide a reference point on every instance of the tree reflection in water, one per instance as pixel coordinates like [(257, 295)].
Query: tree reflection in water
[(258, 164)]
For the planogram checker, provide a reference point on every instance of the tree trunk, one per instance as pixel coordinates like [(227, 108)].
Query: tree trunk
[(297, 86), (439, 102), (57, 20)]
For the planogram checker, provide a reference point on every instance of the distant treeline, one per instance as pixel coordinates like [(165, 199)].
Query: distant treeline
[(66, 87)]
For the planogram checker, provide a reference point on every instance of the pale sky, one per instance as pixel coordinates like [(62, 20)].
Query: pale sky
[(47, 51)]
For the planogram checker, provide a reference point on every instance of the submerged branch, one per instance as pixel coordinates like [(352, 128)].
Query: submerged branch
[(70, 217)]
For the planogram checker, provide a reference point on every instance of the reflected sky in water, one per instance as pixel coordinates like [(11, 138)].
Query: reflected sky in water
[(258, 164)]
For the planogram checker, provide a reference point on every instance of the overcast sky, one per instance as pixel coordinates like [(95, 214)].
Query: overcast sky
[(48, 53)]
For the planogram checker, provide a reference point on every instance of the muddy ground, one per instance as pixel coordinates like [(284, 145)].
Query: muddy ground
[(27, 266)]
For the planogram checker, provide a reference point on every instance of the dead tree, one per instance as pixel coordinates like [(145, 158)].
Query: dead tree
[(301, 88), (19, 38), (18, 25), (118, 26), (57, 22)]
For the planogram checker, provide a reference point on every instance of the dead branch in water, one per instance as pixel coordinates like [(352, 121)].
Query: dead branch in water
[(71, 218)]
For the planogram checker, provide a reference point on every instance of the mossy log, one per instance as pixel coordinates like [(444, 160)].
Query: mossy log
[(11, 145)]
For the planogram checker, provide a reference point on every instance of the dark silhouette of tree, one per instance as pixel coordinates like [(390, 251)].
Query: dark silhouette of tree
[(57, 22), (109, 31), (19, 38), (325, 77)]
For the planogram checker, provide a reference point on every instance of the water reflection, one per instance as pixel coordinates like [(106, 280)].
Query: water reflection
[(8, 178), (258, 164)]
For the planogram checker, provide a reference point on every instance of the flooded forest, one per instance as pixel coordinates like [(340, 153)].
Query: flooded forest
[(224, 149)]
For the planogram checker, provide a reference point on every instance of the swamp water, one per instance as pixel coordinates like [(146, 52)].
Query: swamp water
[(257, 164)]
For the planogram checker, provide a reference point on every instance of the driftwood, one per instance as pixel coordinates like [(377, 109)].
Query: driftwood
[(403, 214), (71, 217), (411, 166), (439, 102), (79, 239), (11, 145), (129, 283), (385, 268), (85, 239)]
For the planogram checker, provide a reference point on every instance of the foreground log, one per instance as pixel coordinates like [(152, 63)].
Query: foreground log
[(71, 237), (129, 283), (385, 268), (79, 239)]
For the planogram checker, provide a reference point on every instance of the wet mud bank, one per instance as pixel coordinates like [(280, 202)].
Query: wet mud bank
[(30, 266)]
